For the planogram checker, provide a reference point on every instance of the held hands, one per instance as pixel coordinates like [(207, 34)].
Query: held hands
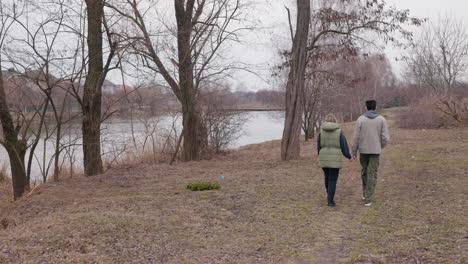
[(354, 157)]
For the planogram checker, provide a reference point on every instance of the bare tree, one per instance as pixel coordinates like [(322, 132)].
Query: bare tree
[(15, 145), (223, 122), (100, 52), (439, 56), (40, 46), (60, 68), (290, 146), (316, 83), (91, 127), (346, 21), (202, 29), (322, 81)]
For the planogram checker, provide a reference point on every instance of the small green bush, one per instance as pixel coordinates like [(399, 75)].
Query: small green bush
[(203, 186)]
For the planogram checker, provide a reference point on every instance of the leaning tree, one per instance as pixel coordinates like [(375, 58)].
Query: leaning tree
[(351, 23)]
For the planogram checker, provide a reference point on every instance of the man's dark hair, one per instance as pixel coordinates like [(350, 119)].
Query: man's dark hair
[(371, 105)]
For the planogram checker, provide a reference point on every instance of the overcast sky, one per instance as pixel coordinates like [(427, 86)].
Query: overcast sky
[(260, 49), (260, 46), (431, 9)]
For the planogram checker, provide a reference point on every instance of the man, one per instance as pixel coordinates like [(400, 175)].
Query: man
[(370, 137)]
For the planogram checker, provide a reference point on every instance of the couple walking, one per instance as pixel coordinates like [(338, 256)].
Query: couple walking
[(370, 136)]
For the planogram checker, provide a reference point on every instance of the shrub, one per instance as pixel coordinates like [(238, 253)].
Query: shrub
[(424, 115), (222, 123), (203, 186), (455, 108)]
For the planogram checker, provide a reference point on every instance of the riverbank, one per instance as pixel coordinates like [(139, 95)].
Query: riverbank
[(267, 211), (123, 137)]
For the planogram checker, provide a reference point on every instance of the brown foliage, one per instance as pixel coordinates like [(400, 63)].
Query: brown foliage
[(454, 107), (425, 115)]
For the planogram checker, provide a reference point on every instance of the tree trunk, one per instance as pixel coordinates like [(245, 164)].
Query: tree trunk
[(36, 141), (58, 137), (16, 148), (290, 144), (91, 126), (16, 153), (306, 129), (57, 151), (91, 129), (194, 137), (309, 134), (308, 124)]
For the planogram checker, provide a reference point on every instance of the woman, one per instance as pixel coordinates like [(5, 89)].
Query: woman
[(331, 143)]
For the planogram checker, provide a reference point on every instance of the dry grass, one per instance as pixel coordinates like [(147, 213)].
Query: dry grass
[(434, 112), (424, 115), (421, 213), (134, 158), (267, 211), (6, 191), (4, 172), (69, 171)]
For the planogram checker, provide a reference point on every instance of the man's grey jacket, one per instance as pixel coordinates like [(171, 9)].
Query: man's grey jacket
[(371, 134)]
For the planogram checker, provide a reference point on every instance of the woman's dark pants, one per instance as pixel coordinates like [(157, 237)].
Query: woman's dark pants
[(331, 177)]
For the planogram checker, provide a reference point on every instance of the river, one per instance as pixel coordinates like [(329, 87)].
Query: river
[(117, 138)]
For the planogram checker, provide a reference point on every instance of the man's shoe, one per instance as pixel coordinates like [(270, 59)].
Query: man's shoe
[(331, 204), (368, 204)]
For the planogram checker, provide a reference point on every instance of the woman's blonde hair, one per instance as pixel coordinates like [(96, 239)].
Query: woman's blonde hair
[(331, 118)]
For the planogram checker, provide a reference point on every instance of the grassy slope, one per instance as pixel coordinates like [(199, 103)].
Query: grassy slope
[(267, 211), (422, 213)]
